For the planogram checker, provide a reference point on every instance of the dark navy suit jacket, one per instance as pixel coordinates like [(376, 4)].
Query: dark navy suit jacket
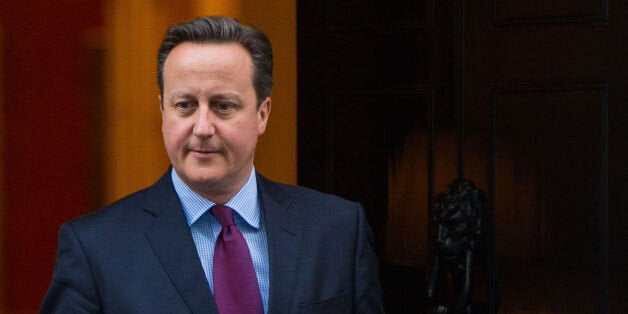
[(138, 256)]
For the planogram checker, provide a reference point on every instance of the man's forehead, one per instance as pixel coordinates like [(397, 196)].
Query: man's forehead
[(224, 59)]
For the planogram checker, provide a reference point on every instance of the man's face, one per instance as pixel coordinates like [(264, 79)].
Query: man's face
[(210, 119)]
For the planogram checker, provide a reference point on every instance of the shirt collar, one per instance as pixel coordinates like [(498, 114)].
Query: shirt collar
[(245, 202)]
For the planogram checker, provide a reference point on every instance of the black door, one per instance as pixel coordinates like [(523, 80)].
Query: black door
[(528, 99)]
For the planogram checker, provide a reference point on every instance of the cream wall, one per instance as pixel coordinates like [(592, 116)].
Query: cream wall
[(134, 153)]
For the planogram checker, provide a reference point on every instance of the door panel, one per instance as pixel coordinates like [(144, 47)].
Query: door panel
[(548, 152), (511, 12)]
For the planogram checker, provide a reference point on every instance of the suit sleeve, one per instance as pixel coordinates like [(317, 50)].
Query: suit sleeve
[(72, 289), (368, 294)]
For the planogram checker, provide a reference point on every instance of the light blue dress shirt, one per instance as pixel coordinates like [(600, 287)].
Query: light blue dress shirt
[(205, 227)]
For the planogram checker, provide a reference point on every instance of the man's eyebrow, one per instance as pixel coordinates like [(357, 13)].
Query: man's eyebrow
[(226, 96), (218, 96), (178, 95)]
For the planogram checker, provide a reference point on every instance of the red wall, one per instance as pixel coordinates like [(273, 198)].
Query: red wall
[(46, 144)]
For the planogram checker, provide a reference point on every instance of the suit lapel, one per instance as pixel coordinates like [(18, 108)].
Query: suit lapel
[(172, 242), (284, 226), (170, 238)]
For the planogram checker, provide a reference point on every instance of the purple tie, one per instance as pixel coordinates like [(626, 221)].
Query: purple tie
[(236, 290)]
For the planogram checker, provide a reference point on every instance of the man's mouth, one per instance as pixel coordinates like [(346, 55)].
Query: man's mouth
[(203, 153)]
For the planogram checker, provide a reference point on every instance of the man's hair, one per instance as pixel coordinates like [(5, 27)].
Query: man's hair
[(221, 29)]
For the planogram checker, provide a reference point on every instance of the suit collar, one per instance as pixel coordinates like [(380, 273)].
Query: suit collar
[(284, 226), (245, 202), (172, 242)]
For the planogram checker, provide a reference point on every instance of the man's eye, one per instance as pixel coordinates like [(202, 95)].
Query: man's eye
[(184, 105), (224, 106)]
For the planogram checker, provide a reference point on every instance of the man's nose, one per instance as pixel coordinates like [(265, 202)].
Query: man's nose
[(204, 125)]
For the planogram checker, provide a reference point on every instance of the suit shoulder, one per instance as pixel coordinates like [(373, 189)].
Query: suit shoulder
[(305, 194), (314, 194), (133, 203), (119, 214)]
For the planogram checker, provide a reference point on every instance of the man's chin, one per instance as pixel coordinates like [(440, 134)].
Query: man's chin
[(205, 178), (200, 175)]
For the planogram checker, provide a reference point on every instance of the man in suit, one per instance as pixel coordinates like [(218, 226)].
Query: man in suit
[(163, 249)]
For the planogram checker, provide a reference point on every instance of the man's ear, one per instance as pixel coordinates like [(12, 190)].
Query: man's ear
[(263, 113), (161, 103)]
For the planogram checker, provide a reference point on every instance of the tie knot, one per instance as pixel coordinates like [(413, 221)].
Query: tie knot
[(224, 214)]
